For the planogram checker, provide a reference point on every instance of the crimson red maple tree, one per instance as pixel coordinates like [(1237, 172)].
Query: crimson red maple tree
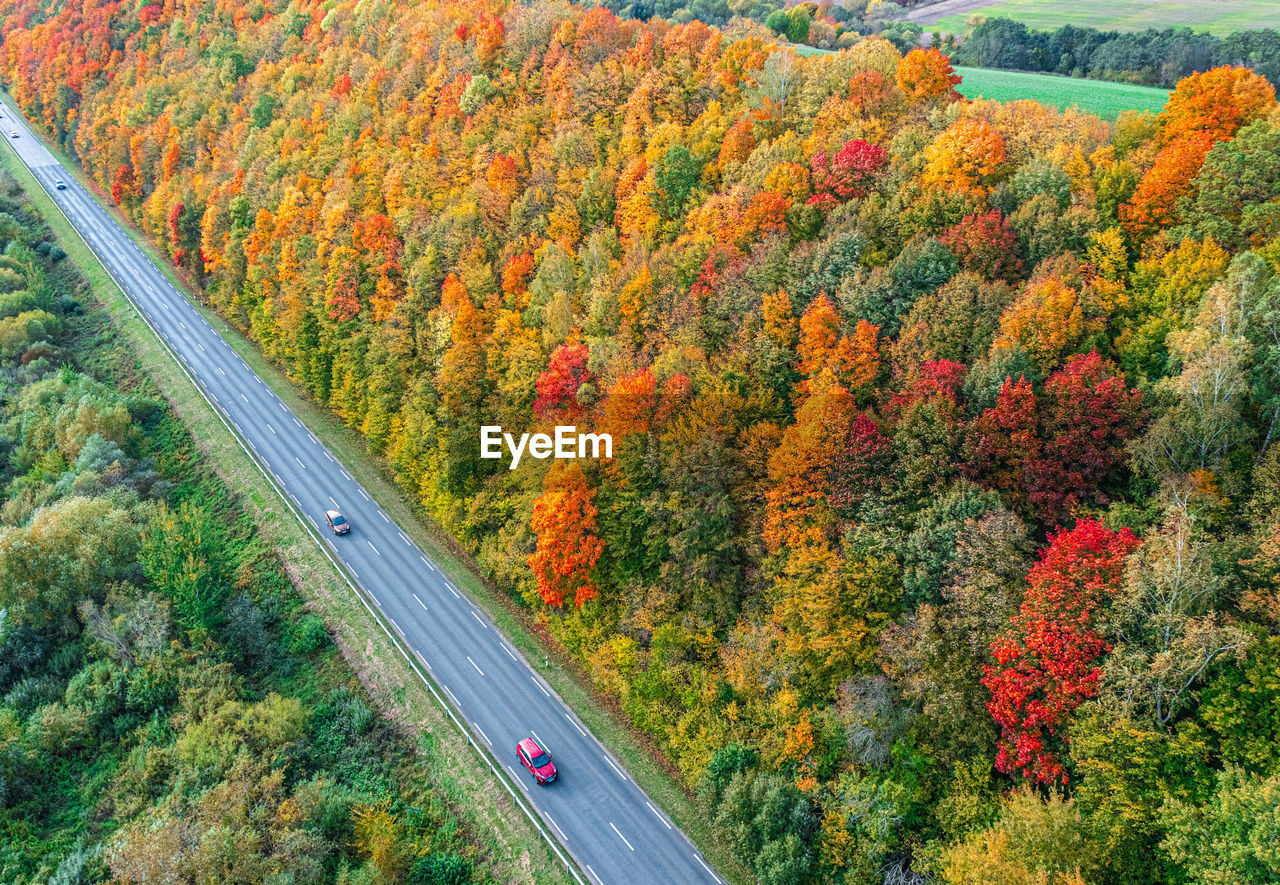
[(985, 244), (847, 174), (1050, 454), (558, 385), (1047, 661)]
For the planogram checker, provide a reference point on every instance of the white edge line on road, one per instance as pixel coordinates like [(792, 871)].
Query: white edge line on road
[(622, 837), (366, 497), (556, 825), (451, 590), (575, 725), (482, 734), (657, 813), (384, 517), (482, 624), (707, 868), (540, 688), (594, 874), (613, 766), (451, 695), (287, 499), (509, 654)]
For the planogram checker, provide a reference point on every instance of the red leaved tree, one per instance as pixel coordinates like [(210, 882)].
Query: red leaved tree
[(1003, 446), (1047, 662), (1089, 415), (858, 465), (848, 174), (1050, 454), (985, 244), (558, 386)]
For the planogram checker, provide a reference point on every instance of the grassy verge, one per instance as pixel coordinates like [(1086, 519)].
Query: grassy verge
[(516, 623), (512, 847), (1099, 97)]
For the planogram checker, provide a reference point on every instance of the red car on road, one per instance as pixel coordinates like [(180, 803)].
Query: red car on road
[(336, 521), (537, 760)]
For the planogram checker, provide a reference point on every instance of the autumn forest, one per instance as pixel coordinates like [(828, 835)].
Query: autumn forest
[(940, 538)]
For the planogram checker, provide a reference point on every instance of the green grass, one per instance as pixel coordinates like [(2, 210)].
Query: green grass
[(510, 844), (1094, 96), (343, 612), (1219, 17)]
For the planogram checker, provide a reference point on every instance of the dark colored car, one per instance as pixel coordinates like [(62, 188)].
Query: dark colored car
[(537, 760), (337, 522), (59, 184)]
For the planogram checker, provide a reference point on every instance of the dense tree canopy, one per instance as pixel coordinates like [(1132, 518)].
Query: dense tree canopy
[(864, 348)]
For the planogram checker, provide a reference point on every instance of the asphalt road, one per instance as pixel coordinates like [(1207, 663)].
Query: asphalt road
[(596, 811)]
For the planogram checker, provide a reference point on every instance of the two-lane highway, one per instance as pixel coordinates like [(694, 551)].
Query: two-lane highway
[(596, 811)]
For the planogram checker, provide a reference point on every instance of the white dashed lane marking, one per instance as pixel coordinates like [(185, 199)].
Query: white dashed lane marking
[(622, 837)]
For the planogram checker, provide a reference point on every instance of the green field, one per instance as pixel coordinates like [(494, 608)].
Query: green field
[(1095, 96), (1219, 17)]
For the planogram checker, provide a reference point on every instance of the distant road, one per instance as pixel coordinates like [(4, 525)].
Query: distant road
[(612, 829), (927, 15)]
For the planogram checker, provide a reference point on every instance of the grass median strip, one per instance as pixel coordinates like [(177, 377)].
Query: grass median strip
[(513, 847), (514, 622)]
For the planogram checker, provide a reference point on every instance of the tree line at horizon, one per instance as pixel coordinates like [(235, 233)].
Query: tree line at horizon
[(1150, 57), (940, 537)]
